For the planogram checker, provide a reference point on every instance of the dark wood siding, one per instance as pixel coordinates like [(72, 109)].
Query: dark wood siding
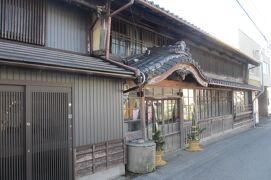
[(218, 65), (23, 20), (92, 158)]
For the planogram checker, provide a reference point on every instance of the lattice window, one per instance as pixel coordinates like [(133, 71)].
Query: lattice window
[(127, 39), (241, 103), (212, 103), (23, 20), (188, 104)]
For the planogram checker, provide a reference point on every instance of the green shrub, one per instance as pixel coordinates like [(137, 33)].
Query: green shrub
[(195, 130), (159, 140)]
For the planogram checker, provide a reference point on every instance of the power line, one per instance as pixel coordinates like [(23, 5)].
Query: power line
[(253, 22)]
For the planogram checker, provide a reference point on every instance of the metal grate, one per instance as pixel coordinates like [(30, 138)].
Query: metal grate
[(12, 146), (23, 20), (35, 133), (50, 137)]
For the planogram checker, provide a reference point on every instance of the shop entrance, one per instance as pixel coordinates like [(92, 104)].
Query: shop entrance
[(35, 133), (164, 115)]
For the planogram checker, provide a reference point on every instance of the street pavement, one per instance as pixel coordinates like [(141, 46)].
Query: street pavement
[(244, 156)]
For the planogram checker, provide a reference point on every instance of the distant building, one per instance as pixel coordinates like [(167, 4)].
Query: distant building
[(259, 76)]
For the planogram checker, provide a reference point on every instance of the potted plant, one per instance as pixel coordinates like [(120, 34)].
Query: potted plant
[(194, 136), (160, 144)]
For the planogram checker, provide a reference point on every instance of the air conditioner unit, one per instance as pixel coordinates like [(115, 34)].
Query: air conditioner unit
[(257, 54)]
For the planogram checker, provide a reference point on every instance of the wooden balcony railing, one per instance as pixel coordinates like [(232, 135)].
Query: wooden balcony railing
[(240, 110)]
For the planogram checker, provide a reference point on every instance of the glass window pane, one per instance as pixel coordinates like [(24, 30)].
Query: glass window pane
[(191, 101), (166, 116), (176, 117), (185, 92), (158, 111), (185, 100), (191, 93)]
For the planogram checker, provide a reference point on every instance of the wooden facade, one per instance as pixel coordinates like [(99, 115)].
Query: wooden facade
[(177, 87), (63, 102)]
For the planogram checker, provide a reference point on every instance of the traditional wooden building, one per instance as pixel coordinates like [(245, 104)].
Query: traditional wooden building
[(183, 69), (78, 76), (176, 87)]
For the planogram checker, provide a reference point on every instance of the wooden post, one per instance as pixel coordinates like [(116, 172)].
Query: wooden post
[(182, 123), (108, 33), (142, 113)]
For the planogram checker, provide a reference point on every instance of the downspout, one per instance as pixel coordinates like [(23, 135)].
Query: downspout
[(89, 5), (138, 73), (135, 70), (262, 86), (107, 44), (110, 15), (259, 94)]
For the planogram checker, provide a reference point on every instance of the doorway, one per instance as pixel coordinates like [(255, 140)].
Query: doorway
[(36, 133), (164, 115)]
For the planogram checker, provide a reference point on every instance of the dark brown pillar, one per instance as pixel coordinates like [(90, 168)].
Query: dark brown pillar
[(142, 113)]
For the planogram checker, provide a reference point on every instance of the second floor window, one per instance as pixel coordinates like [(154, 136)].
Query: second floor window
[(23, 20), (128, 39)]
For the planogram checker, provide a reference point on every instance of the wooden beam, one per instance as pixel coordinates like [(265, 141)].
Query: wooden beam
[(182, 85), (183, 66)]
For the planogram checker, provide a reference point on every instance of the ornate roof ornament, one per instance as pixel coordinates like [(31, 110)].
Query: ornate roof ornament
[(182, 73), (178, 48), (163, 60)]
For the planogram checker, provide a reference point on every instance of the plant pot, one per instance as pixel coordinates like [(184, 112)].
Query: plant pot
[(159, 159), (194, 146)]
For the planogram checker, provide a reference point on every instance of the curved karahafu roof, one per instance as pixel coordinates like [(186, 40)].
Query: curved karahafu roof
[(158, 63)]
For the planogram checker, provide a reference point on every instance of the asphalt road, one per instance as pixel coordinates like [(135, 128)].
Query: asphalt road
[(245, 156)]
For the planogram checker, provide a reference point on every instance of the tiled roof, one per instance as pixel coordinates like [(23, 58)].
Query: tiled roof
[(167, 13), (175, 15), (218, 82), (38, 56), (158, 60)]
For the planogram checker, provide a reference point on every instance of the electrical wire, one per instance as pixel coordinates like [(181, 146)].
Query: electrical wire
[(252, 21)]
